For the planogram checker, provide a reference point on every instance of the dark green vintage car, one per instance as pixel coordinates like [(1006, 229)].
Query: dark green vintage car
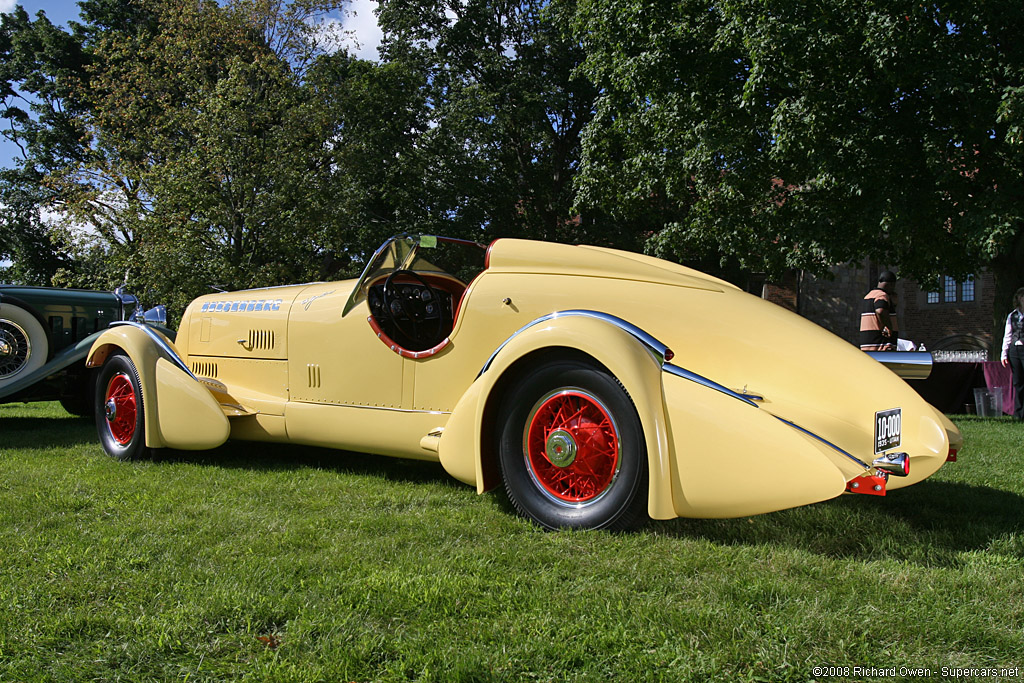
[(45, 334)]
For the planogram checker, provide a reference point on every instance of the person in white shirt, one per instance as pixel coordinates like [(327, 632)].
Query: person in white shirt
[(1013, 351)]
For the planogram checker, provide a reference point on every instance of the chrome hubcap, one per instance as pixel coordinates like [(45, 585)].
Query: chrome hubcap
[(5, 348), (110, 408), (561, 448)]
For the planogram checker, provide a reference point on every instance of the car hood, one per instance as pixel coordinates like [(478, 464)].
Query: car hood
[(251, 323)]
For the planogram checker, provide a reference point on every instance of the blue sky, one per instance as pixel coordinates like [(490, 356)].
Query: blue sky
[(360, 20), (57, 11)]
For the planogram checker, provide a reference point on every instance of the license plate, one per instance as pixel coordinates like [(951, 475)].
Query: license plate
[(888, 427)]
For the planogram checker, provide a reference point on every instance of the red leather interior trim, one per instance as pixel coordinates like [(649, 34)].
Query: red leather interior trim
[(487, 254), (404, 353)]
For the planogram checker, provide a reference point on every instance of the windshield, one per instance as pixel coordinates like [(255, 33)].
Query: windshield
[(461, 259)]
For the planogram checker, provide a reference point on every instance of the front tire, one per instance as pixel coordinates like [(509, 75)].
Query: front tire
[(23, 345), (571, 449), (120, 414)]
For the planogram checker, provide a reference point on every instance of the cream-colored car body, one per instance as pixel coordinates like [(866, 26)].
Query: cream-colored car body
[(758, 410)]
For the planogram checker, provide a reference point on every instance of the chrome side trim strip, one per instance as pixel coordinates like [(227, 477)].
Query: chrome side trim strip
[(353, 405), (655, 346), (694, 377), (699, 379), (161, 343), (824, 441)]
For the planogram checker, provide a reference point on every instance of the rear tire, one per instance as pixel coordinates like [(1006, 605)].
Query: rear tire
[(80, 393), (23, 344), (571, 449), (120, 413)]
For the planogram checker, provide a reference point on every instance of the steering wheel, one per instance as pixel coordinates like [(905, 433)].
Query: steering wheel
[(414, 307)]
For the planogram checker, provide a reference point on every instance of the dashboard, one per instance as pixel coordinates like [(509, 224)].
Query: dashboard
[(414, 315)]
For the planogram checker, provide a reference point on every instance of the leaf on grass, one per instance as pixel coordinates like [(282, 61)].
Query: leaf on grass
[(270, 640)]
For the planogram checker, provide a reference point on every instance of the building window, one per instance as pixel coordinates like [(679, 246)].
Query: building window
[(967, 289), (950, 289)]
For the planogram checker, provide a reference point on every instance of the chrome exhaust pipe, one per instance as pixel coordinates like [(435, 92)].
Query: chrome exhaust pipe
[(896, 464), (906, 364)]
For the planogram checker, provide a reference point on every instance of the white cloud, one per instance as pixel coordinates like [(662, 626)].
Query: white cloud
[(7, 6), (330, 34), (357, 31), (361, 20)]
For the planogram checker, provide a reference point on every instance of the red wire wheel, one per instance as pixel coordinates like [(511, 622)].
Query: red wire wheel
[(119, 406), (571, 446)]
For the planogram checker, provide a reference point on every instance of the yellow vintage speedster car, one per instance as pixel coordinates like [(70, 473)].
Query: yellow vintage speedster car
[(597, 386)]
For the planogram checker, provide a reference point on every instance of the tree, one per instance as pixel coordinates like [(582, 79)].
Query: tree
[(39, 67), (804, 134), (209, 172), (191, 152), (500, 109)]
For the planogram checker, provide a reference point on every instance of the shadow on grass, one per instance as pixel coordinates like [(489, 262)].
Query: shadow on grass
[(46, 432), (271, 457), (931, 523)]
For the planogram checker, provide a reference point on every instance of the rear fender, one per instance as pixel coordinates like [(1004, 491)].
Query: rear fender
[(735, 459), (466, 451), (179, 411)]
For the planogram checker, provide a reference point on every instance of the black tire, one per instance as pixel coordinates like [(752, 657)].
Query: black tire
[(77, 406), (23, 344), (120, 413), (80, 393), (571, 449)]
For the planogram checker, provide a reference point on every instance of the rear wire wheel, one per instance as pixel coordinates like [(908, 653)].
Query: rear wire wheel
[(120, 415), (571, 449)]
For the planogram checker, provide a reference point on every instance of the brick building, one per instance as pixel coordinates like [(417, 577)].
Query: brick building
[(958, 317)]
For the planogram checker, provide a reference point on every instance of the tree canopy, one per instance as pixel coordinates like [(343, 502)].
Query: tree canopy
[(200, 143), (804, 134)]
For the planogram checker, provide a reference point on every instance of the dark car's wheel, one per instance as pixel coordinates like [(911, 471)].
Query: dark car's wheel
[(119, 409), (571, 449), (23, 346), (80, 393)]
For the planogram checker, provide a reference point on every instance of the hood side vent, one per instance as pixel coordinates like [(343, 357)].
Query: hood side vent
[(204, 369), (261, 340)]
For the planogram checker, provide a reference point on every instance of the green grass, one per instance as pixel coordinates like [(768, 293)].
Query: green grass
[(260, 562)]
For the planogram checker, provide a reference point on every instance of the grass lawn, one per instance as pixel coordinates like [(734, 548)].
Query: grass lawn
[(260, 562)]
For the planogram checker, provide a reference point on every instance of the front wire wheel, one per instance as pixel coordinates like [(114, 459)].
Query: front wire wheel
[(571, 449), (119, 408), (23, 344)]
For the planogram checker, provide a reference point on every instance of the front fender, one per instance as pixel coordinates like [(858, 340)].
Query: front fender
[(462, 450), (179, 411)]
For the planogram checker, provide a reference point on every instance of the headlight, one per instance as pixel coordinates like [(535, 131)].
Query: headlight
[(154, 316)]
